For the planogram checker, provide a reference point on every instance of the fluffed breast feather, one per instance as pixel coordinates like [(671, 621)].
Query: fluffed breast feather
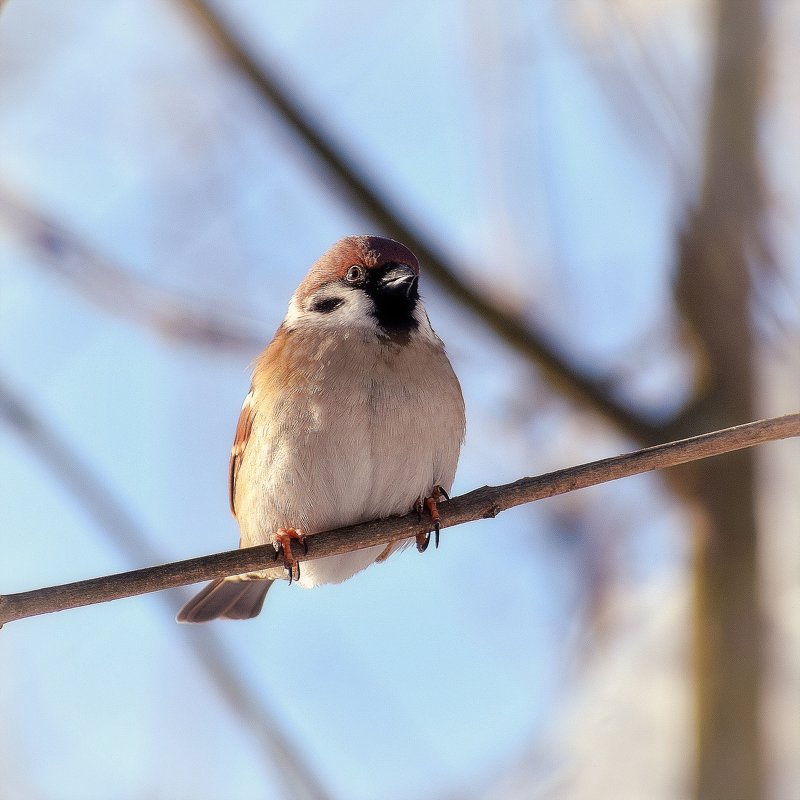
[(365, 427)]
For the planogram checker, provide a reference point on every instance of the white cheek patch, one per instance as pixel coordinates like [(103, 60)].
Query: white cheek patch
[(355, 311)]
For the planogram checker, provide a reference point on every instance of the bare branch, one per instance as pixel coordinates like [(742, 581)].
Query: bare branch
[(483, 503), (536, 345)]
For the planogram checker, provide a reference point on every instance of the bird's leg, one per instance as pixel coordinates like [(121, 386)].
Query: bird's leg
[(422, 538), (431, 504), (282, 542)]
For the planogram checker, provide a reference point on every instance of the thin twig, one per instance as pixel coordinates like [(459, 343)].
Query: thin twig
[(521, 335), (481, 503)]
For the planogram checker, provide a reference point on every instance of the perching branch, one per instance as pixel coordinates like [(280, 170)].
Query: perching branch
[(482, 503)]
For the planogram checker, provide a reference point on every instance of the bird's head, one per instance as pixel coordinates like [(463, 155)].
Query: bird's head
[(362, 282)]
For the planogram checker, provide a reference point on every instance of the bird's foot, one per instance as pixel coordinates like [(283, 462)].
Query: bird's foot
[(431, 505), (282, 542)]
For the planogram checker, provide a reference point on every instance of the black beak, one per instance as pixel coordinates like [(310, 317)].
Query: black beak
[(399, 279)]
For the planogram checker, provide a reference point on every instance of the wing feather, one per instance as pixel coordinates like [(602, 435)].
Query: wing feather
[(243, 428)]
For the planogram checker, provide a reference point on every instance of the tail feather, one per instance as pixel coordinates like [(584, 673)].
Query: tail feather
[(229, 598)]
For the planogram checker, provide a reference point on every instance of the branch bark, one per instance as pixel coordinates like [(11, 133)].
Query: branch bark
[(483, 503)]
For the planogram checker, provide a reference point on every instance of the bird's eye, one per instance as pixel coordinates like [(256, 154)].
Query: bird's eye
[(356, 275)]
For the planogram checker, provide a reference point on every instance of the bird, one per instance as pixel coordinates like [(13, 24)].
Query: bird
[(354, 413)]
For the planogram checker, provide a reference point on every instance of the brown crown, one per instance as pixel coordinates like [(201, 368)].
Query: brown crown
[(368, 251)]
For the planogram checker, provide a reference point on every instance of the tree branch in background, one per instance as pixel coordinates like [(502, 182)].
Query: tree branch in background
[(58, 251), (483, 503), (536, 345), (110, 515)]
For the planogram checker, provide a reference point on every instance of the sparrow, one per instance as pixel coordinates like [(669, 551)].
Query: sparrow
[(354, 413)]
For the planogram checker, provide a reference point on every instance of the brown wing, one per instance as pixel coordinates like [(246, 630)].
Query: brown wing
[(243, 428)]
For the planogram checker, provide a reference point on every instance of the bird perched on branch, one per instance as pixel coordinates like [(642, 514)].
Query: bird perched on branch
[(354, 414)]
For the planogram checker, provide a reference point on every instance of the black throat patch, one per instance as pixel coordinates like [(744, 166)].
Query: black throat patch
[(393, 307)]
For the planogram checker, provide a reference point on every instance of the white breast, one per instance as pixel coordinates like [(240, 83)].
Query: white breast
[(373, 428)]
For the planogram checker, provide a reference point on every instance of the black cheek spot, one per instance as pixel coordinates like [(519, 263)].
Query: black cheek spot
[(326, 305)]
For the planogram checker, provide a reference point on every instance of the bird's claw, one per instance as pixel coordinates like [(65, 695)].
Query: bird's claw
[(430, 503), (282, 542)]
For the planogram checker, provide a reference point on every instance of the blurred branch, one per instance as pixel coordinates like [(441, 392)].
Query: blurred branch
[(483, 503), (587, 389), (113, 519), (120, 292)]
